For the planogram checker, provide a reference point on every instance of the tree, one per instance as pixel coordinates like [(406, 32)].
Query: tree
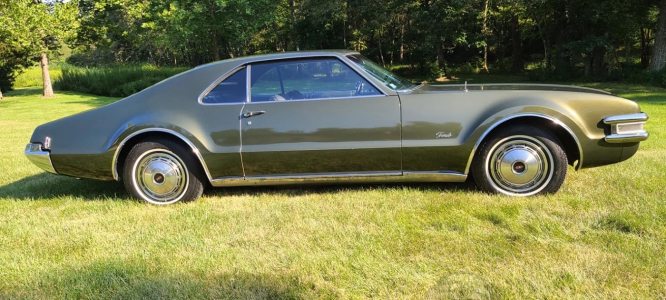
[(12, 59), (658, 61), (36, 28)]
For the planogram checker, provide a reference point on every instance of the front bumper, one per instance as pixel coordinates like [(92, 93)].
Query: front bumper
[(627, 128), (40, 157)]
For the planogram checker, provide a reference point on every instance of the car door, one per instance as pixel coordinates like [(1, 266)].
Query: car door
[(315, 117), (219, 111)]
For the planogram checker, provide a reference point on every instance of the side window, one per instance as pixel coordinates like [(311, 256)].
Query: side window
[(231, 90), (307, 79)]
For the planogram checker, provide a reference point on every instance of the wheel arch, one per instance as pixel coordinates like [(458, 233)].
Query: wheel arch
[(126, 145), (570, 142)]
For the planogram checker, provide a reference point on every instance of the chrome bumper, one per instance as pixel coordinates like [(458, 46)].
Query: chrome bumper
[(627, 128), (40, 157)]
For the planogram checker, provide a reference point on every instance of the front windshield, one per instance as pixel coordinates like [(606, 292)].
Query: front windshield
[(389, 79)]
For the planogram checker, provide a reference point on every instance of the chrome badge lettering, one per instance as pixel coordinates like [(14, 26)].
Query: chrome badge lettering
[(443, 135)]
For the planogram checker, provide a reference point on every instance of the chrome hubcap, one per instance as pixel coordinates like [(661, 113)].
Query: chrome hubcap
[(161, 176), (520, 165)]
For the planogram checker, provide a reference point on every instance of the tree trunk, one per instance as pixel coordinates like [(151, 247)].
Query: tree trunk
[(46, 78), (484, 31), (598, 61), (517, 64), (646, 37), (292, 8), (215, 45), (402, 42), (547, 54), (658, 60), (381, 53)]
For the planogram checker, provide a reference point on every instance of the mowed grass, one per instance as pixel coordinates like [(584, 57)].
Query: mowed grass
[(602, 236)]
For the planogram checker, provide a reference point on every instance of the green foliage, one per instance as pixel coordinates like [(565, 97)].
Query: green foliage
[(29, 28), (119, 81)]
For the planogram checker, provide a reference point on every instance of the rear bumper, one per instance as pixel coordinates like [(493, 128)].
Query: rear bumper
[(627, 128), (40, 157)]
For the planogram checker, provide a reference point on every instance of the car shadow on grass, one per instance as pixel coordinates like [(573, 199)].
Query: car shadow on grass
[(46, 186), (133, 279)]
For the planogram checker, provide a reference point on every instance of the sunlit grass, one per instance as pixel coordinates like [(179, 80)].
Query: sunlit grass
[(32, 76), (602, 236)]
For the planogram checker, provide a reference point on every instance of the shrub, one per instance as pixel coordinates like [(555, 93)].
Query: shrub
[(32, 76), (119, 81)]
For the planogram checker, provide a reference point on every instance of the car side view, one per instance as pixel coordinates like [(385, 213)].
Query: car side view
[(335, 116)]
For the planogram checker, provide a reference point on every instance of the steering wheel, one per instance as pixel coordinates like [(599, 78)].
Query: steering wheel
[(295, 95), (359, 88)]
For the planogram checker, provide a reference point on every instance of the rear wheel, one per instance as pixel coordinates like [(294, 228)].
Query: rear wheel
[(520, 160), (162, 172)]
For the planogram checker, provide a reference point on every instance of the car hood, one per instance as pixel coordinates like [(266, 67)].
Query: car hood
[(434, 88)]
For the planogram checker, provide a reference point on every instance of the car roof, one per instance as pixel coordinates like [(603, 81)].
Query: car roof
[(281, 55)]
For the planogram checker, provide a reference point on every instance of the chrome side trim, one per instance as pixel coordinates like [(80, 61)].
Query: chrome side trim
[(502, 121), (627, 138), (338, 178), (426, 176), (39, 157), (114, 162), (632, 118)]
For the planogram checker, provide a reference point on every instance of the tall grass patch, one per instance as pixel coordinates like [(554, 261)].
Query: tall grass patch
[(118, 81), (33, 76)]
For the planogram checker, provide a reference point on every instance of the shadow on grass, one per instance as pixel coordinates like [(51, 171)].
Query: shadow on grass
[(120, 279), (46, 186), (28, 91)]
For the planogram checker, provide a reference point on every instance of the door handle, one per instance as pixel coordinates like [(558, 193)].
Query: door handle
[(249, 114)]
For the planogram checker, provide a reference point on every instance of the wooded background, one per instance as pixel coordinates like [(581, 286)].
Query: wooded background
[(609, 39)]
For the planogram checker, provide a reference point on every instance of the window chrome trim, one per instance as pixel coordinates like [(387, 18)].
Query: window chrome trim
[(195, 150), (216, 83), (248, 64), (504, 120), (319, 99), (248, 84)]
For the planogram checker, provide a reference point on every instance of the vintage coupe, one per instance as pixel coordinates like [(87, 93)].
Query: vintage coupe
[(335, 116)]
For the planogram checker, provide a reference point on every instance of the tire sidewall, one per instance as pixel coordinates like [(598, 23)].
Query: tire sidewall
[(193, 185), (555, 155)]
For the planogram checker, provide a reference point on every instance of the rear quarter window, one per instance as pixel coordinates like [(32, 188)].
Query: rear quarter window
[(231, 90)]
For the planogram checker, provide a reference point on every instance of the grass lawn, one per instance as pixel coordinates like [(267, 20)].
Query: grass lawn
[(602, 236)]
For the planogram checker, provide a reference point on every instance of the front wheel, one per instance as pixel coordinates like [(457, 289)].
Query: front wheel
[(162, 172), (520, 160)]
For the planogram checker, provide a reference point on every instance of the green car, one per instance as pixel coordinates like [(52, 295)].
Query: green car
[(335, 117)]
